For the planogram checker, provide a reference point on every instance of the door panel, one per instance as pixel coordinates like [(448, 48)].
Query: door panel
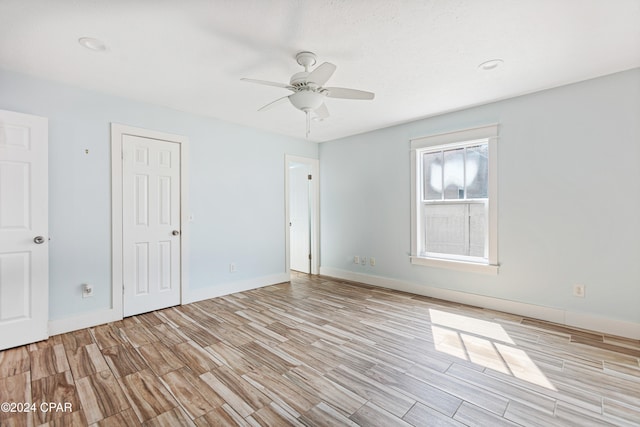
[(24, 264), (151, 215), (299, 216)]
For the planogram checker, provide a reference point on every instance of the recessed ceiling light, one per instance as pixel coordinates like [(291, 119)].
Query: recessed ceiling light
[(93, 44), (492, 64)]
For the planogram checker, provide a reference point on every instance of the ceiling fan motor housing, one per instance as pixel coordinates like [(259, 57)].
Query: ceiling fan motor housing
[(299, 79)]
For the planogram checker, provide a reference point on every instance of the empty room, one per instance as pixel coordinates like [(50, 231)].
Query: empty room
[(319, 213)]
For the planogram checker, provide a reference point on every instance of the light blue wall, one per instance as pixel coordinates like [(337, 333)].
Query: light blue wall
[(236, 189), (569, 186), (569, 199)]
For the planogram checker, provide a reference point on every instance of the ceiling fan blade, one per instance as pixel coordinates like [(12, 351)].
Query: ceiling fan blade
[(273, 103), (268, 83), (344, 93), (322, 73), (322, 112)]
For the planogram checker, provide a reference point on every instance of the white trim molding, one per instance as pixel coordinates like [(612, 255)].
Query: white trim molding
[(100, 317), (84, 320), (592, 322), (456, 265), (219, 290)]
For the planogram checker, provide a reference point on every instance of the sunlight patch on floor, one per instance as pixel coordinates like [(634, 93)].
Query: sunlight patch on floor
[(485, 328), (484, 343), (522, 366), (449, 341)]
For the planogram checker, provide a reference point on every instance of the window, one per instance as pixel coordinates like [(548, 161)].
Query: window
[(454, 200)]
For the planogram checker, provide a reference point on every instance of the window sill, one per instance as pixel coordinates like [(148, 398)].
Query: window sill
[(456, 265)]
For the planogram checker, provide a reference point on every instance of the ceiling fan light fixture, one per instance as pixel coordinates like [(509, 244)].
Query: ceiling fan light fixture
[(306, 100), (491, 64), (94, 44)]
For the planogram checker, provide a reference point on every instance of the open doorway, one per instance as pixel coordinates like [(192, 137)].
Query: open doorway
[(301, 186)]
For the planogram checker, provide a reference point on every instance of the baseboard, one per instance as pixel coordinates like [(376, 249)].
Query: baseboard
[(606, 325), (85, 320), (578, 320), (195, 295), (100, 317)]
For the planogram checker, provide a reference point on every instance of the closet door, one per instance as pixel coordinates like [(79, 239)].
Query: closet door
[(24, 255)]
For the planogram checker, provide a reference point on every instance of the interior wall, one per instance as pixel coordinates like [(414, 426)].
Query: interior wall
[(569, 198), (236, 191)]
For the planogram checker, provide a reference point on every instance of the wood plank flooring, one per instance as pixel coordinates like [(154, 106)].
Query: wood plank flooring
[(322, 352)]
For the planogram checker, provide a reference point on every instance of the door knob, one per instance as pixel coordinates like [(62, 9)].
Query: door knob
[(38, 240), (175, 232)]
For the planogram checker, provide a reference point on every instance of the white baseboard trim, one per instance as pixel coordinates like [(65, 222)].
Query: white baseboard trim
[(100, 317), (195, 295), (85, 320), (607, 325), (578, 320)]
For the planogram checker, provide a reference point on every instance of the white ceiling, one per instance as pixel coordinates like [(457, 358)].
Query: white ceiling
[(420, 57)]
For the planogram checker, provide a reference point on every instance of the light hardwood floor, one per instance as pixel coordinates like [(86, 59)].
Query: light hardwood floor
[(323, 352)]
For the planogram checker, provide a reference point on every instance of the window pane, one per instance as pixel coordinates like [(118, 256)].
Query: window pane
[(477, 170), (454, 174), (432, 178), (477, 230), (445, 229)]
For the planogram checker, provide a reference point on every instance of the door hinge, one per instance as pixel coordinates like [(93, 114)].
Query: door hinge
[(309, 177), (309, 256)]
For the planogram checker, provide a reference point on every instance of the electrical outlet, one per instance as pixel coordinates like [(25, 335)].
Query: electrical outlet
[(233, 268), (87, 290), (356, 259), (363, 260), (372, 261), (578, 291)]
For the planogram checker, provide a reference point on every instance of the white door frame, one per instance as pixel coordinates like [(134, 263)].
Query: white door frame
[(117, 132), (315, 211)]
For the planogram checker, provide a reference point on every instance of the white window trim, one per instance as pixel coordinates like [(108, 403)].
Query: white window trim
[(450, 140)]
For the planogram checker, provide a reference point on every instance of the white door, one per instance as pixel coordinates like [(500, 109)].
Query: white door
[(299, 214), (24, 255), (151, 224)]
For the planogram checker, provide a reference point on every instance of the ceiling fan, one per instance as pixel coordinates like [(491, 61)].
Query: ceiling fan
[(308, 90)]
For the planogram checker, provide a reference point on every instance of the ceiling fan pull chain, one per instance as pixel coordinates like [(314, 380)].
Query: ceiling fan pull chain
[(308, 123)]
